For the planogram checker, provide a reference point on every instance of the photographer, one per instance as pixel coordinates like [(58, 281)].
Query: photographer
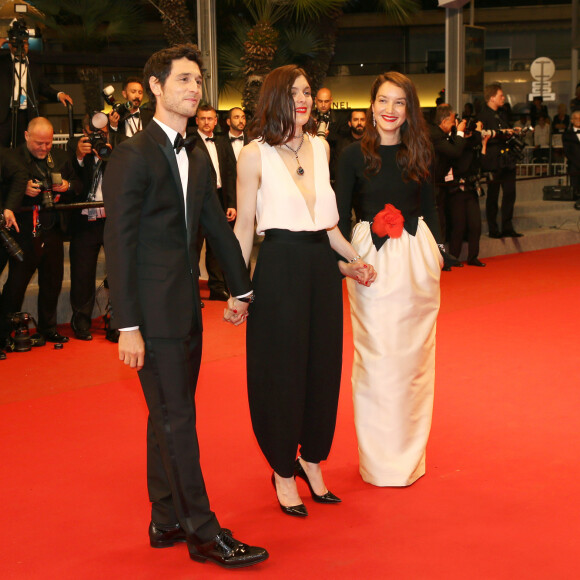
[(89, 156), (463, 195), (21, 84), (502, 163), (129, 119), (50, 179), (447, 138)]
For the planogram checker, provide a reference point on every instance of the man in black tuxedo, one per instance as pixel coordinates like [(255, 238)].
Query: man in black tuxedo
[(11, 67), (216, 148), (157, 194), (571, 144), (137, 118), (236, 138), (503, 168), (41, 233)]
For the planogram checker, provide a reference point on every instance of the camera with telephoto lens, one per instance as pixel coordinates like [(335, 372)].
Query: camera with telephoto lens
[(122, 109), (13, 249)]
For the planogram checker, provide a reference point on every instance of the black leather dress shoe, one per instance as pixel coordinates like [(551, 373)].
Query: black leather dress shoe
[(165, 538), (226, 551), (512, 234), (328, 497), (2, 354), (112, 335), (495, 235), (298, 511), (219, 295), (476, 262), (54, 336), (83, 335)]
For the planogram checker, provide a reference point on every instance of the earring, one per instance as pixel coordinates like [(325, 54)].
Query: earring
[(374, 120)]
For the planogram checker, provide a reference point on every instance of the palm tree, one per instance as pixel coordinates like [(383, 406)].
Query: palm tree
[(284, 31), (178, 26), (90, 26)]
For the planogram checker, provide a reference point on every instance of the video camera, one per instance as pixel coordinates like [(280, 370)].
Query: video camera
[(122, 109), (13, 249), (19, 32)]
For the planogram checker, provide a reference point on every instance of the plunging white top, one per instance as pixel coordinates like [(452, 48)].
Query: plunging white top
[(280, 204)]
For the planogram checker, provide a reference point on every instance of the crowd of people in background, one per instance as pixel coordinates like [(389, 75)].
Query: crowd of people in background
[(465, 157)]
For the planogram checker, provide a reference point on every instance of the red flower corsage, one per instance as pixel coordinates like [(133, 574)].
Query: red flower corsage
[(388, 222)]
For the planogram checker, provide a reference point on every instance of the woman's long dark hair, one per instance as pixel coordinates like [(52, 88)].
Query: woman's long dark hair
[(275, 118), (414, 155)]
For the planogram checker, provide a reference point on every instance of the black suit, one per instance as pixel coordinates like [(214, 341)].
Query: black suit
[(226, 195), (150, 243), (500, 174), (37, 86), (120, 134), (43, 251), (447, 148), (86, 240)]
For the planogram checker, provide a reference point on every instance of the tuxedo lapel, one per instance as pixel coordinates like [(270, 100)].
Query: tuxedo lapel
[(167, 148)]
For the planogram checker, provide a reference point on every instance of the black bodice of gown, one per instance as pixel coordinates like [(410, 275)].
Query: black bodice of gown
[(367, 196)]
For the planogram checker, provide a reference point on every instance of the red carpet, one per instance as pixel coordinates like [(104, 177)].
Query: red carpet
[(499, 501)]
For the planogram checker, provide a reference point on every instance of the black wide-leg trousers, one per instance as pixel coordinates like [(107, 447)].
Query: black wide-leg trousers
[(294, 347), (174, 478)]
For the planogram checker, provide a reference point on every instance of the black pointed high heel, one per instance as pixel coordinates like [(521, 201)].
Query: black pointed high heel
[(299, 510), (328, 497)]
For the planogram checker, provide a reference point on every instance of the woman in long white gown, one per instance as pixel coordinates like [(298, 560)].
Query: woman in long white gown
[(385, 179)]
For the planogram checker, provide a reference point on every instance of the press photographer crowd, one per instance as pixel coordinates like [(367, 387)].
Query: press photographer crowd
[(50, 196)]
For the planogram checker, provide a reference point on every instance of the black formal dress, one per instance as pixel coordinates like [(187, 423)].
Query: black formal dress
[(502, 174), (150, 245)]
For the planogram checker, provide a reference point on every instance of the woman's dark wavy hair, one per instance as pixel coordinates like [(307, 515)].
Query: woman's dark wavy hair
[(414, 155), (160, 63), (274, 120)]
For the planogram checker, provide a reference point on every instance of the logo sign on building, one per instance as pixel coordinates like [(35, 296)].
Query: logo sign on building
[(542, 70)]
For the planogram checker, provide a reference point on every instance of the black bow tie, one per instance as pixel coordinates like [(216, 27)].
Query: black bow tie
[(212, 139), (240, 138), (180, 143), (577, 131), (135, 115)]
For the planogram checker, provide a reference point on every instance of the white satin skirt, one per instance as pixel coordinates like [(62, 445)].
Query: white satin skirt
[(393, 376)]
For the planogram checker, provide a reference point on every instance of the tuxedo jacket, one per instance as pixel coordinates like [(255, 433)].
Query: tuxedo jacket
[(151, 234), (494, 120), (572, 151), (119, 135), (37, 86), (447, 150), (227, 168), (232, 166)]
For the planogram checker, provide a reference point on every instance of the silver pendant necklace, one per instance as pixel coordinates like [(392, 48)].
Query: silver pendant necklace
[(299, 170)]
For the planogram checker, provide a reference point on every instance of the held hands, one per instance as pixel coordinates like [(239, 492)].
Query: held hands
[(132, 348), (363, 273), (236, 311)]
